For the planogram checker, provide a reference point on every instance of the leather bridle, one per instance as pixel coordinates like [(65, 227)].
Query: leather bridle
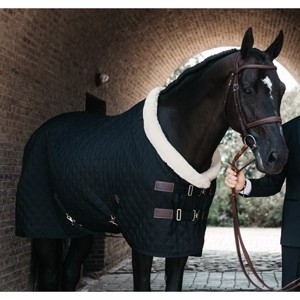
[(239, 241), (234, 86)]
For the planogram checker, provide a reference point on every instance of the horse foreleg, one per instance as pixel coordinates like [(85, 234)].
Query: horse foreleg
[(174, 273), (141, 267), (47, 255), (77, 252)]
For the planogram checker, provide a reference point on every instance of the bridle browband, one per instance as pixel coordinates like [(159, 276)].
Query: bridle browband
[(234, 86)]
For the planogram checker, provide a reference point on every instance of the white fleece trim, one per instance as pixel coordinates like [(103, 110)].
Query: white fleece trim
[(168, 153)]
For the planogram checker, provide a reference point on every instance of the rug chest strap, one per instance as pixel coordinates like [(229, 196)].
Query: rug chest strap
[(180, 214), (183, 189)]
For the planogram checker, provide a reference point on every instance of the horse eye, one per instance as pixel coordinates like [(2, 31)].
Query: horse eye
[(249, 91)]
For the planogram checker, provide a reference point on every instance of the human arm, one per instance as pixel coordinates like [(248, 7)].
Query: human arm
[(265, 186)]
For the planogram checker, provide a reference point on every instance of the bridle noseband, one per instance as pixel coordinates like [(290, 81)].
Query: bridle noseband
[(234, 86)]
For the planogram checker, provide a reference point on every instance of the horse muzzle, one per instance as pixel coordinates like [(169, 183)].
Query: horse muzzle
[(270, 160)]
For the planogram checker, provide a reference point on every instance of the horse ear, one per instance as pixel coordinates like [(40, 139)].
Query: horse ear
[(275, 48), (247, 42)]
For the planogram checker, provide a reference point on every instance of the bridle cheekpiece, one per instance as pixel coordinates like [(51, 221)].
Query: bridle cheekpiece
[(234, 86)]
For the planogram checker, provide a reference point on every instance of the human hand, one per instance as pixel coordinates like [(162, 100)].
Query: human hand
[(235, 180)]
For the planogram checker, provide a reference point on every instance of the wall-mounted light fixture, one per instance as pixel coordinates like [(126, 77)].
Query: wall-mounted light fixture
[(100, 78)]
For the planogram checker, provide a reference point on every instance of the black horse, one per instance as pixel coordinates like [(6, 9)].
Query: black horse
[(149, 173)]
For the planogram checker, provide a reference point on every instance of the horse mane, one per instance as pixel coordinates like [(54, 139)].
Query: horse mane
[(197, 67)]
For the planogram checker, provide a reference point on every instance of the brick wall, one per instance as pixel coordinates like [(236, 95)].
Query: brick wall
[(48, 59), (44, 71)]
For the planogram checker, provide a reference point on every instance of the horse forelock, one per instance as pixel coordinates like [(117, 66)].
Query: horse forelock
[(198, 68)]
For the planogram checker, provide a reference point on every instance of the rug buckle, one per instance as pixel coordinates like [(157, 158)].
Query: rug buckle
[(113, 220), (195, 215), (190, 190), (178, 214), (69, 218)]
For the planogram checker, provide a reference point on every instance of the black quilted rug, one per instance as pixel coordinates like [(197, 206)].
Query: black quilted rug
[(93, 167)]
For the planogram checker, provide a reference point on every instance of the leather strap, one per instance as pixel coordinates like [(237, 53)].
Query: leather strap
[(267, 120), (256, 66), (180, 214), (239, 241), (182, 189), (233, 82)]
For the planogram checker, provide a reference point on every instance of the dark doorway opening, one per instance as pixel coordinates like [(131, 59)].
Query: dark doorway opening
[(95, 104)]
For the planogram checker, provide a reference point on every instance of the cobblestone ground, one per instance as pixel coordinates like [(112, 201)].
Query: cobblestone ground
[(212, 261), (217, 270)]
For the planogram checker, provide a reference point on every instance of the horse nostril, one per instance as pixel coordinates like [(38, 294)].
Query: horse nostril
[(273, 157)]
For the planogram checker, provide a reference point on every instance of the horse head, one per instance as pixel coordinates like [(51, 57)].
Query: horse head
[(253, 103)]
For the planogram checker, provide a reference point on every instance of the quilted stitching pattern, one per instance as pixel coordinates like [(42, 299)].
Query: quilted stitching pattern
[(86, 160)]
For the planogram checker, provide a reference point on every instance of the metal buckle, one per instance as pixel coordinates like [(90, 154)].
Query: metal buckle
[(252, 145), (69, 218), (195, 215), (235, 87), (113, 220), (73, 222), (178, 214), (190, 190)]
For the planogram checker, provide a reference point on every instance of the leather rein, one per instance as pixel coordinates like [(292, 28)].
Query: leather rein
[(240, 246), (233, 82)]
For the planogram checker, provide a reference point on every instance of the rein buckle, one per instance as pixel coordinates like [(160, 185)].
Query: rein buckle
[(235, 87)]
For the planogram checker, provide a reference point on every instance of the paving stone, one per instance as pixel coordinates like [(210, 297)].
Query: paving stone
[(217, 270)]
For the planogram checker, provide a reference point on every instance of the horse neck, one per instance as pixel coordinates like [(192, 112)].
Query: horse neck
[(193, 121)]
